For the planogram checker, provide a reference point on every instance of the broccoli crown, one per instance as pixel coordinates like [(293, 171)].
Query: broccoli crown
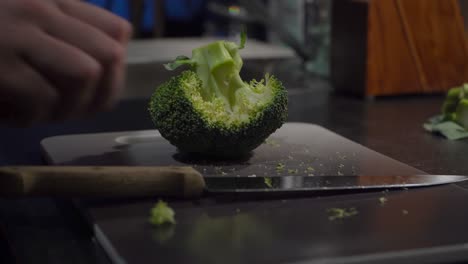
[(455, 106), (210, 110)]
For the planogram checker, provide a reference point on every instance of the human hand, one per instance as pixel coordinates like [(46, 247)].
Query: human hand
[(59, 59)]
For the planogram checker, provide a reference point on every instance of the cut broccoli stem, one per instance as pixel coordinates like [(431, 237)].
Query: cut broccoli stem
[(218, 65)]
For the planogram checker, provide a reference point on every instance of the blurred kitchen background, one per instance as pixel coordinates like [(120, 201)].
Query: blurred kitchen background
[(362, 48)]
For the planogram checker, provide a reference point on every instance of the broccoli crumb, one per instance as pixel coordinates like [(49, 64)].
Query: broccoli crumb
[(280, 166), (310, 169), (341, 213), (162, 214), (293, 171), (383, 200)]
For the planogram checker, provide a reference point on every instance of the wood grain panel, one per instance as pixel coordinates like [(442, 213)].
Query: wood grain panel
[(391, 68), (435, 28), (403, 47)]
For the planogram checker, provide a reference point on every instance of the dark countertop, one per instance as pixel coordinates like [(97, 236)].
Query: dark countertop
[(45, 231)]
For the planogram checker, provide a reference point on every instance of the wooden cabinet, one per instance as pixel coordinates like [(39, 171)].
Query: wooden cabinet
[(393, 47)]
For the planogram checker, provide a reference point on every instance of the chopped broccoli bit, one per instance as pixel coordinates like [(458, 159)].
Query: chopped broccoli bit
[(162, 214), (219, 171), (341, 213), (449, 129), (310, 169), (210, 110), (293, 171), (280, 167), (453, 122), (383, 200)]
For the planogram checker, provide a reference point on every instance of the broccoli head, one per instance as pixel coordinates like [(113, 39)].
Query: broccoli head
[(208, 109), (455, 107)]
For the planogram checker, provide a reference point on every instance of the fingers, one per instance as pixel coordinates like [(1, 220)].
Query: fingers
[(114, 26), (110, 88), (26, 97), (106, 38), (73, 72), (108, 52), (75, 52), (86, 38)]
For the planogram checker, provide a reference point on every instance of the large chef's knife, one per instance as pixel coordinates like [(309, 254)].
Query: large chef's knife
[(186, 182)]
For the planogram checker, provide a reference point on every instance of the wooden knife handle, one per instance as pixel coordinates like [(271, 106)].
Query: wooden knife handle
[(113, 181)]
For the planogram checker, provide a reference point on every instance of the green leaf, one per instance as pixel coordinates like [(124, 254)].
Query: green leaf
[(162, 214), (179, 61), (243, 38), (448, 129), (436, 119)]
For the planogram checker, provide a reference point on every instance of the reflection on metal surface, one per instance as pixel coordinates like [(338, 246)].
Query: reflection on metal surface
[(245, 232), (319, 183), (144, 136)]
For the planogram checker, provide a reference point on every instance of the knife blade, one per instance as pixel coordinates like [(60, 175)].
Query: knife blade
[(324, 183), (183, 182)]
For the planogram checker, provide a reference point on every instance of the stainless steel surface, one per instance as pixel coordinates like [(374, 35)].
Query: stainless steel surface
[(229, 231), (299, 147), (167, 49), (324, 183)]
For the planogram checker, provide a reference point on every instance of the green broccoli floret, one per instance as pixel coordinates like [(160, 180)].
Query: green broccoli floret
[(455, 107), (461, 114), (210, 110)]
